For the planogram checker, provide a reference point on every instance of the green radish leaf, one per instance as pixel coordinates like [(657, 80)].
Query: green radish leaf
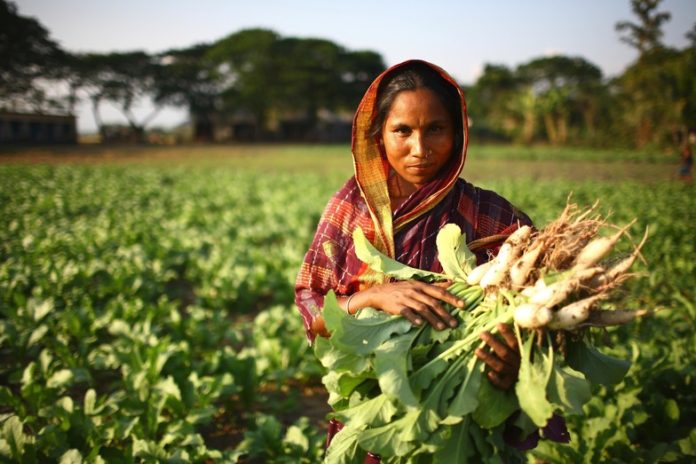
[(596, 366), (363, 333), (90, 401), (452, 252), (568, 389), (458, 448), (333, 314), (296, 436), (344, 447), (466, 399), (40, 310), (379, 262), (423, 377), (439, 393), (72, 456), (335, 359), (14, 435), (494, 405), (37, 335), (66, 403), (168, 388), (341, 384), (532, 383), (392, 359), (59, 379), (401, 436), (688, 445), (376, 411)]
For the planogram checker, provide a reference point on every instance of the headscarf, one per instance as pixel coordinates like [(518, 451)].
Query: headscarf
[(372, 168), (406, 234)]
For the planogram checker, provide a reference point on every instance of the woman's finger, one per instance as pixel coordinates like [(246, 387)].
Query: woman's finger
[(442, 284), (501, 381), (509, 336), (428, 313), (441, 294), (493, 362), (499, 348), (411, 316), (434, 306)]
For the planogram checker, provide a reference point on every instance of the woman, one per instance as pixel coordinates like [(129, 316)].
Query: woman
[(409, 145)]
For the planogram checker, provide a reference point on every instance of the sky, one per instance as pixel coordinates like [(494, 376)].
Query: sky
[(462, 36)]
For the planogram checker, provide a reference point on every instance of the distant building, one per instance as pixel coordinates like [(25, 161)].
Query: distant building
[(37, 129)]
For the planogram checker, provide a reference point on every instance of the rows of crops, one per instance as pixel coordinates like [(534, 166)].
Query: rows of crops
[(146, 315)]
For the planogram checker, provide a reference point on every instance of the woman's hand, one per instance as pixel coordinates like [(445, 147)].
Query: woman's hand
[(414, 300), (502, 359)]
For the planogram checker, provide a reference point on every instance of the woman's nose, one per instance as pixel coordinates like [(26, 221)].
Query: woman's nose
[(418, 147)]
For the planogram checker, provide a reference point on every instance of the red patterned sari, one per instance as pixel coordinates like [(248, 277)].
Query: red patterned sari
[(407, 233)]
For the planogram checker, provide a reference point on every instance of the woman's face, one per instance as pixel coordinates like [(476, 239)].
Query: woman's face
[(418, 136)]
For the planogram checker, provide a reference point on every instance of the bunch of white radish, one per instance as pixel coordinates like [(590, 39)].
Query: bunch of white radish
[(556, 273), (413, 394)]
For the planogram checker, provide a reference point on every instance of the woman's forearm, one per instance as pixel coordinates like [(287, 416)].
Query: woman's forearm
[(355, 302)]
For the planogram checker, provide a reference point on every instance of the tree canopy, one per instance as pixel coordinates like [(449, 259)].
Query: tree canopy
[(27, 54), (257, 84)]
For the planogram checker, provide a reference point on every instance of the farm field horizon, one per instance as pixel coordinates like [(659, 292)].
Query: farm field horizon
[(483, 161), (147, 300)]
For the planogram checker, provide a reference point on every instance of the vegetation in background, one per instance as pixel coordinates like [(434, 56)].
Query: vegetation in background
[(146, 314), (257, 85)]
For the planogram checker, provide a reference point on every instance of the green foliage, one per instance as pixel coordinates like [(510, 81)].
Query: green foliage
[(28, 54), (127, 295), (120, 303)]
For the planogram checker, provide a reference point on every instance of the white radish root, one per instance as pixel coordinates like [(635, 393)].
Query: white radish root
[(569, 316), (478, 272), (598, 248), (531, 316), (617, 273), (606, 318), (519, 272), (509, 252)]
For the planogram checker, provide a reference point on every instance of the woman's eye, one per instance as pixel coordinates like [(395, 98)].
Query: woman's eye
[(402, 130), (436, 129)]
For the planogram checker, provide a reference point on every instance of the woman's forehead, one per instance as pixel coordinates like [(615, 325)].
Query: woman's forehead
[(421, 102)]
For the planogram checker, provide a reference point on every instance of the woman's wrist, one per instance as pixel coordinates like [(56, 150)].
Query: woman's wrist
[(357, 301), (348, 308)]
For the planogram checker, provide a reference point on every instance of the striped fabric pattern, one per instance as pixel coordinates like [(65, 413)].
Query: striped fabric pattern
[(331, 264), (408, 233)]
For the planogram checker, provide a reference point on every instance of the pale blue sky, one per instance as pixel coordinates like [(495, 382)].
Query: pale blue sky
[(461, 36)]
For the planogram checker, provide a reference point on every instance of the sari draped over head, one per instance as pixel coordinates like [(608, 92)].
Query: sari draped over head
[(407, 233)]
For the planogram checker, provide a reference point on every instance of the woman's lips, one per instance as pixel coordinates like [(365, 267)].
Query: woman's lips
[(418, 167)]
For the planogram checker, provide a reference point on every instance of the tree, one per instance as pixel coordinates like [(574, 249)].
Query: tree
[(29, 57), (656, 93), (248, 65), (268, 76), (645, 35), (123, 78), (564, 88), (493, 104), (309, 76), (357, 70), (187, 77), (658, 96)]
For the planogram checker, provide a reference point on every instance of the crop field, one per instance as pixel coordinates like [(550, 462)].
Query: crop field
[(146, 302)]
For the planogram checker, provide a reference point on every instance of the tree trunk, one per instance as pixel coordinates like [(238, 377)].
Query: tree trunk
[(550, 126), (644, 132), (562, 129), (529, 126), (95, 112), (588, 115)]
